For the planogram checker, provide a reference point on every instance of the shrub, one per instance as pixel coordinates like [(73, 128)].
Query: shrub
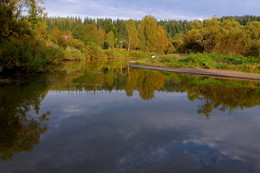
[(55, 54), (94, 51), (73, 54), (135, 54), (75, 43), (28, 54), (110, 53), (199, 60), (144, 56)]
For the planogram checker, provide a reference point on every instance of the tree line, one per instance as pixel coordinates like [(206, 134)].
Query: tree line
[(227, 37), (224, 36), (30, 41), (118, 26), (108, 33), (243, 20)]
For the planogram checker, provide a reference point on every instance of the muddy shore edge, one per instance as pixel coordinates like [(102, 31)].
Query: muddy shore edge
[(215, 73)]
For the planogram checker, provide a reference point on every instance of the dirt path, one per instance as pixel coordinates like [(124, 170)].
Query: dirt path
[(204, 72)]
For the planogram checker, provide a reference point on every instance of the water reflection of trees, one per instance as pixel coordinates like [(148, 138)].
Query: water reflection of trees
[(145, 82), (110, 76), (224, 95), (20, 130), (226, 98)]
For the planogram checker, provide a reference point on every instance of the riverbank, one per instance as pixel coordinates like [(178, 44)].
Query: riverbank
[(206, 61), (216, 73)]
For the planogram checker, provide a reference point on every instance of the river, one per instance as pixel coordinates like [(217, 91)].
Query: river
[(102, 116)]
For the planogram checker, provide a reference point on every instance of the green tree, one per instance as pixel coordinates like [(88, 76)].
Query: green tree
[(91, 35), (23, 47), (79, 32), (101, 38), (252, 47), (192, 41), (226, 38), (11, 24), (231, 39), (59, 37), (110, 40), (36, 14), (211, 34), (86, 33)]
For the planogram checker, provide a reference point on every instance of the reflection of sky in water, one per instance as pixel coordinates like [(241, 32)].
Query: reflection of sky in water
[(110, 132)]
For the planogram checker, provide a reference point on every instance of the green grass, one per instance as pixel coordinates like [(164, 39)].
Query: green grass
[(209, 61)]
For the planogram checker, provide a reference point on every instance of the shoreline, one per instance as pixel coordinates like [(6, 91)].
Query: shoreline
[(215, 73)]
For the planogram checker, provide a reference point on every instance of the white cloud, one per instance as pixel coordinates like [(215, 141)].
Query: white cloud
[(100, 10), (164, 9)]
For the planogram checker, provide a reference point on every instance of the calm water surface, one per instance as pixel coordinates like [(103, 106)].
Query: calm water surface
[(100, 117)]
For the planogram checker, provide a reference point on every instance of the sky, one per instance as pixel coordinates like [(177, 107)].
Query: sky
[(160, 9)]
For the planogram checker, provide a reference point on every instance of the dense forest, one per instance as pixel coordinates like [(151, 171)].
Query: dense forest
[(30, 41), (172, 27), (243, 20)]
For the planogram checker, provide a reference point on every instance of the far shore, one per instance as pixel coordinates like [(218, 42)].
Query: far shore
[(216, 73)]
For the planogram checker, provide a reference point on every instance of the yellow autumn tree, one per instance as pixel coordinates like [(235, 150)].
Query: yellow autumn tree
[(152, 38), (132, 35), (162, 41), (147, 30)]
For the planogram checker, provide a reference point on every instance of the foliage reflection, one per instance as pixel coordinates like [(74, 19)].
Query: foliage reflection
[(221, 94), (22, 124), (20, 129)]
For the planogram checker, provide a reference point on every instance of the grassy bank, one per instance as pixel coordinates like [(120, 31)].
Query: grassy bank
[(105, 54), (209, 61)]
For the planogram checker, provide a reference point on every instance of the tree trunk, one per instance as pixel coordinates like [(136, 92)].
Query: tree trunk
[(129, 46)]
